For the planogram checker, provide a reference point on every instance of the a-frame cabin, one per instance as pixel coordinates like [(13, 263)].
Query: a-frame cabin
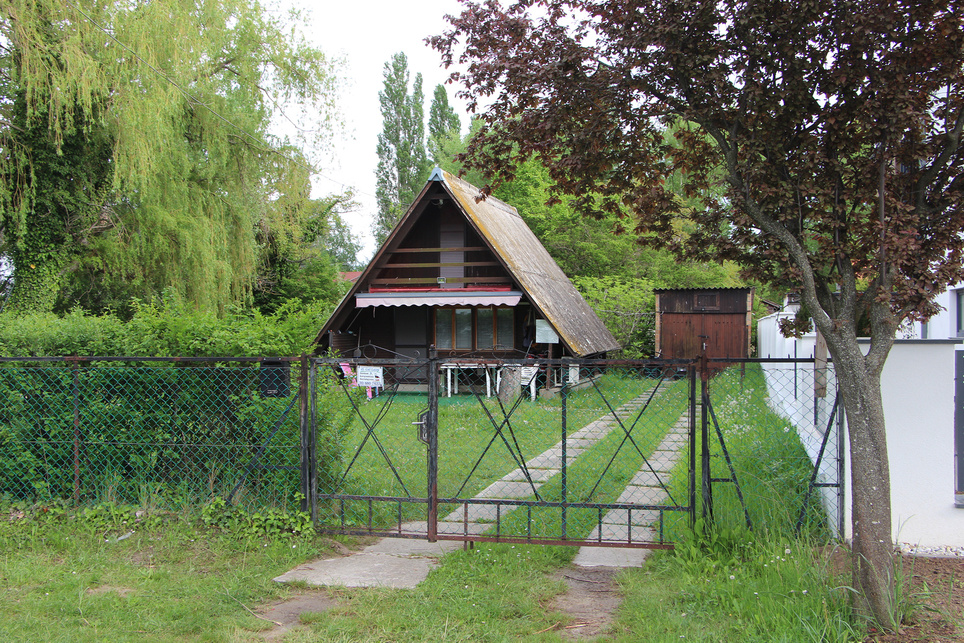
[(465, 274)]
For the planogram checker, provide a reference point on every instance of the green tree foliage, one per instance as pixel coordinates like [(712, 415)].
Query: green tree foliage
[(403, 165), (301, 262), (834, 128), (443, 124), (135, 147), (627, 307)]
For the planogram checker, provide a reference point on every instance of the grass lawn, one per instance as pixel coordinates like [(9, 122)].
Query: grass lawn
[(73, 580)]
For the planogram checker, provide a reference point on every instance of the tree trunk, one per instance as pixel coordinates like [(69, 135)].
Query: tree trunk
[(37, 281), (873, 545)]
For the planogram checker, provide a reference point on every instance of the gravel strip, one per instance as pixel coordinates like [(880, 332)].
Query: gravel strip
[(942, 551)]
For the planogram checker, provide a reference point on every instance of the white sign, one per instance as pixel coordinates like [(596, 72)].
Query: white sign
[(373, 376), (544, 333)]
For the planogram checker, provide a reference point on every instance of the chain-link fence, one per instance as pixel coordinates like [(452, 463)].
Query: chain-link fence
[(533, 451), (611, 453), (773, 447), (161, 433), (606, 453)]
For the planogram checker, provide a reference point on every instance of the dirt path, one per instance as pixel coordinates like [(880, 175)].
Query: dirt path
[(591, 600)]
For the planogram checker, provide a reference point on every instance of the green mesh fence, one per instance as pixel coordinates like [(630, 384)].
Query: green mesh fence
[(159, 434), (545, 451)]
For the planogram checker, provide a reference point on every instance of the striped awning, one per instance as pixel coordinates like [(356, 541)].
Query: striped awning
[(436, 298)]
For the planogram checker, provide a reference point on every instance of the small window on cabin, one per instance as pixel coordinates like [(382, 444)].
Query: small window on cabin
[(479, 328), (504, 328), (707, 301), (485, 320), (463, 328), (443, 328)]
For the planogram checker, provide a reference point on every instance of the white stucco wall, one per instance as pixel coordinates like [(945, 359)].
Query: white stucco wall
[(944, 324), (918, 390)]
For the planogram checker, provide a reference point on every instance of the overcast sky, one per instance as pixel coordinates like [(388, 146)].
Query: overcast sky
[(366, 35)]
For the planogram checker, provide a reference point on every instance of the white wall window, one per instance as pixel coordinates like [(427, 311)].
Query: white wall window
[(959, 312)]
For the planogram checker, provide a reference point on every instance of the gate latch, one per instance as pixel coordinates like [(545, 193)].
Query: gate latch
[(422, 425)]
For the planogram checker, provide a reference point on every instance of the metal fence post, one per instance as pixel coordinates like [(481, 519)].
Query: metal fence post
[(431, 427), (305, 426), (707, 482), (565, 457), (313, 437), (75, 393), (692, 443)]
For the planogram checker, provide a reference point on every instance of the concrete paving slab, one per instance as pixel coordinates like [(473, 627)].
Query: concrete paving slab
[(481, 513), (553, 461), (453, 528), (643, 495), (621, 534), (508, 489), (610, 557), (620, 517), (412, 547), (537, 475), (579, 443), (363, 570)]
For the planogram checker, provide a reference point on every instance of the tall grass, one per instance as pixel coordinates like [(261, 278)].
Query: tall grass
[(772, 469)]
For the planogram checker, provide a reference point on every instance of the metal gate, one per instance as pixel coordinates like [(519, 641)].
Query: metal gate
[(603, 453)]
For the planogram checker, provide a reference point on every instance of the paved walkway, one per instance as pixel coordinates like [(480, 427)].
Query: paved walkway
[(404, 562)]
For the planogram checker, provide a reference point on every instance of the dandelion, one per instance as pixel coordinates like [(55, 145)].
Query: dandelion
[(732, 577)]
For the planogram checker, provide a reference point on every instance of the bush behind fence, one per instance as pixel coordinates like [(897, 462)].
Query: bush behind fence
[(166, 434)]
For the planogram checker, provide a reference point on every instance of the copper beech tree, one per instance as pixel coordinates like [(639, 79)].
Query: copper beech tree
[(833, 128)]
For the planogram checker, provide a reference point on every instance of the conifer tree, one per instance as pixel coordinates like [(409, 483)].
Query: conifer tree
[(403, 165), (443, 123)]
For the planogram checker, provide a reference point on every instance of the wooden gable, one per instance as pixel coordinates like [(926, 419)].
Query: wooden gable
[(441, 250)]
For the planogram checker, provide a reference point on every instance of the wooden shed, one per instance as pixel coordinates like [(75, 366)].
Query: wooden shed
[(715, 321)]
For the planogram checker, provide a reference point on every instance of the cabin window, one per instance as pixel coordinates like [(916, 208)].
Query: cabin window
[(474, 328)]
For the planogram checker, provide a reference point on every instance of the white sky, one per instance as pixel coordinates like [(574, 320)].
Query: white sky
[(366, 35)]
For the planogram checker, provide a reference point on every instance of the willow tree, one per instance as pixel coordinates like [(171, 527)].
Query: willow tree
[(135, 144), (835, 129)]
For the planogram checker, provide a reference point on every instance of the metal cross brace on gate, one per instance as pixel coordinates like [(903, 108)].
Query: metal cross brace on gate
[(370, 433), (628, 437), (816, 466), (505, 423), (729, 463)]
